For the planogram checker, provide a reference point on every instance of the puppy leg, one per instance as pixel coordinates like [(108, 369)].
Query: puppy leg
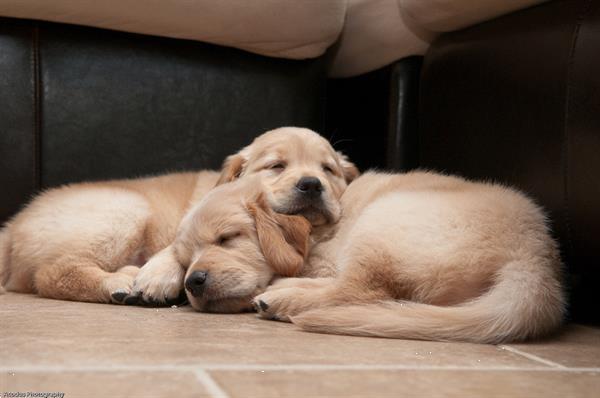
[(281, 293), (365, 279), (282, 283), (283, 303), (78, 279), (160, 280), (131, 270), (121, 295), (280, 304)]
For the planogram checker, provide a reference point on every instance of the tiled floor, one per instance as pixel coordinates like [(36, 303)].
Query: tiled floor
[(93, 350)]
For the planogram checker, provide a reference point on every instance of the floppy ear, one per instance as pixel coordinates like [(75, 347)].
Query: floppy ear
[(349, 169), (283, 239), (232, 168)]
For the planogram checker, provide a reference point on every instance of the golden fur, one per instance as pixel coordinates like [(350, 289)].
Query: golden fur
[(417, 255), (281, 157), (427, 256), (86, 242), (229, 237), (241, 243)]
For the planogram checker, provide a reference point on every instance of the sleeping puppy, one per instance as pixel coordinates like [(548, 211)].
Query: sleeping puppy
[(86, 242), (302, 175), (428, 256), (417, 255), (233, 244), (296, 171)]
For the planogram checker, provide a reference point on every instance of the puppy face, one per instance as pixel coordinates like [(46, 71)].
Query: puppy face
[(232, 244), (300, 170)]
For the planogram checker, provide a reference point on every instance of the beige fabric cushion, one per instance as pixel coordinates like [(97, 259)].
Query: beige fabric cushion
[(449, 15), (280, 28), (375, 34), (378, 32)]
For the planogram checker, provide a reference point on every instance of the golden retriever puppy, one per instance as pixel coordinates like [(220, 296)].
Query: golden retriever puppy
[(233, 244), (300, 173), (417, 255), (428, 256), (86, 242)]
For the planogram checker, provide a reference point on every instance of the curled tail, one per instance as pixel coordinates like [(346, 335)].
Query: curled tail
[(526, 301), (5, 243)]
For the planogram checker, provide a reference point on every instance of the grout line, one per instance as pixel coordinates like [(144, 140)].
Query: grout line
[(532, 357), (212, 387), (289, 367)]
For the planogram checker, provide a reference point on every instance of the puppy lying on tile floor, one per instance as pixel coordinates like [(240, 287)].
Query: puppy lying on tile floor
[(87, 242), (417, 255)]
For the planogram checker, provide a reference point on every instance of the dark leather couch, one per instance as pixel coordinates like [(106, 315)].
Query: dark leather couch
[(515, 100), (87, 104)]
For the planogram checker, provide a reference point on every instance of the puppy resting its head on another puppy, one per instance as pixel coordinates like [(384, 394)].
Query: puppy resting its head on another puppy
[(242, 234)]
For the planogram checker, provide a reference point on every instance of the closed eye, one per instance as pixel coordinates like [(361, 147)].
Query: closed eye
[(225, 239), (328, 169), (278, 166)]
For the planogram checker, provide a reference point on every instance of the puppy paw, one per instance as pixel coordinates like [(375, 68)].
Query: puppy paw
[(160, 282), (118, 287), (119, 295), (280, 304)]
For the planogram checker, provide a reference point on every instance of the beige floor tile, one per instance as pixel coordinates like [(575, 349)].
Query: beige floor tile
[(409, 383), (105, 384), (39, 332), (577, 346)]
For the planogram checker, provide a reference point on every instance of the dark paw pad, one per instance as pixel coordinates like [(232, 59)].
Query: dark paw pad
[(132, 300), (179, 300), (119, 295), (150, 302)]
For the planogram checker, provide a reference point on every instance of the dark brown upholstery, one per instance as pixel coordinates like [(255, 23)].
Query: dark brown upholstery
[(517, 100), (87, 104)]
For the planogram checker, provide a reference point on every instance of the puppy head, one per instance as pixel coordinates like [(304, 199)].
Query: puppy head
[(232, 244), (300, 170)]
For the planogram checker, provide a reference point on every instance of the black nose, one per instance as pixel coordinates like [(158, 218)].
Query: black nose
[(310, 186), (195, 283)]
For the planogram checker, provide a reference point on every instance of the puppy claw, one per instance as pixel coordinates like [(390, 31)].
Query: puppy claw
[(263, 306)]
